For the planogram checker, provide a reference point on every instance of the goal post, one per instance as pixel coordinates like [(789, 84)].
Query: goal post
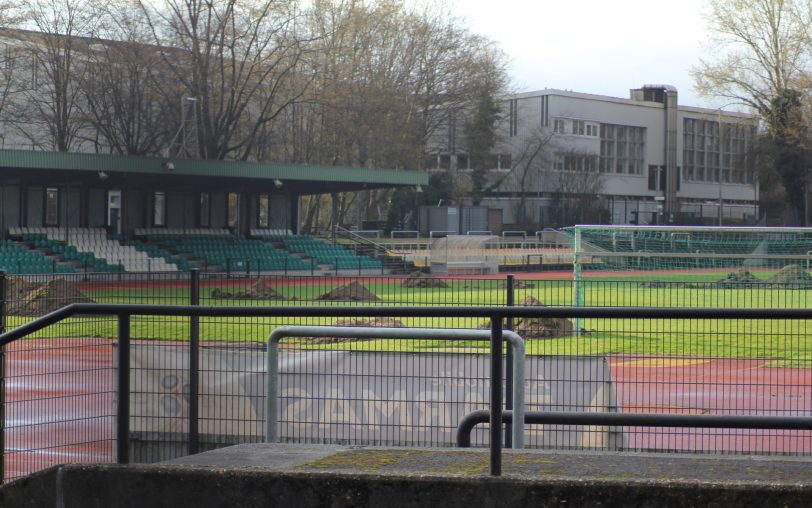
[(684, 253)]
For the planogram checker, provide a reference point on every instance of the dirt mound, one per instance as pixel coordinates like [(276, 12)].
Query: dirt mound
[(742, 278), (381, 322), (791, 275), (353, 291), (519, 284), (422, 280), (17, 288), (538, 328), (30, 299), (257, 291)]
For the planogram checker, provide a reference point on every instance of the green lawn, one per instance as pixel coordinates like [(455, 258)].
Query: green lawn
[(787, 343)]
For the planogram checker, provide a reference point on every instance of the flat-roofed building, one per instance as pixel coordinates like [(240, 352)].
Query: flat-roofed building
[(567, 157)]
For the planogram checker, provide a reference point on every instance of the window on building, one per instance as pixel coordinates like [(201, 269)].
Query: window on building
[(204, 210), (622, 149), (233, 210), (505, 161), (559, 126), (463, 162), (51, 206), (263, 204), (714, 149), (159, 208)]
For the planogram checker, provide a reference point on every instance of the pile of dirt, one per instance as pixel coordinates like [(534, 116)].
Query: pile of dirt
[(353, 292), (539, 328), (422, 280), (791, 276), (741, 279), (17, 288), (519, 284), (257, 291), (31, 300), (380, 322)]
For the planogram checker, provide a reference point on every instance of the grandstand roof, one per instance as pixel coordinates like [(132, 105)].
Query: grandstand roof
[(346, 177)]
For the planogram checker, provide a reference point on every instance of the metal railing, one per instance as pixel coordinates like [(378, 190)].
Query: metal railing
[(497, 315)]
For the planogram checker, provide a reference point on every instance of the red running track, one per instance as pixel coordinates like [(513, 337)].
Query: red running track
[(60, 402)]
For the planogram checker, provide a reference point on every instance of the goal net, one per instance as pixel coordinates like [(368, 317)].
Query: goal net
[(674, 250)]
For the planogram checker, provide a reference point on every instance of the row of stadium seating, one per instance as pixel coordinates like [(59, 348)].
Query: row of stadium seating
[(93, 249), (326, 254), (16, 258), (231, 252)]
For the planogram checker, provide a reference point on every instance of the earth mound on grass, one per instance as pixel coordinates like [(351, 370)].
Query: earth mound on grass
[(742, 278), (422, 280), (793, 276), (353, 292), (539, 327), (377, 322), (519, 284), (257, 291), (30, 299)]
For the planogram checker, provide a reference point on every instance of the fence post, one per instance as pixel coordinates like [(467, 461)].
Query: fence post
[(496, 396), (123, 414), (509, 301), (194, 364), (2, 378)]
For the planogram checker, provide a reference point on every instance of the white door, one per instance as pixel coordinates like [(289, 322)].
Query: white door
[(114, 211)]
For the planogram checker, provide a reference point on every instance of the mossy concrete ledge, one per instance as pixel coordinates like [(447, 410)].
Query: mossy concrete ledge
[(313, 476)]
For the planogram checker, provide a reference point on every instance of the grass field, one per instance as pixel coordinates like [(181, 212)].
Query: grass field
[(785, 343)]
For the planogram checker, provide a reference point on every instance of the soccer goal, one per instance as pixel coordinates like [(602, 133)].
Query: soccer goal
[(778, 257)]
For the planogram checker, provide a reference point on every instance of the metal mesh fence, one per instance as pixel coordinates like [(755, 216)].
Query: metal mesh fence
[(59, 383)]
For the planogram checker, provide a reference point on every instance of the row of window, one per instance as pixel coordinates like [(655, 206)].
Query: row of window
[(622, 149), (575, 127), (711, 154), (159, 204)]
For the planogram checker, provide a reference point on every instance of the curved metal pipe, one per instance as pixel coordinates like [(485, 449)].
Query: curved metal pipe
[(271, 412), (474, 418)]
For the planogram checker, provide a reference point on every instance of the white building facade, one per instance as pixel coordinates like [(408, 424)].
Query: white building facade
[(566, 157)]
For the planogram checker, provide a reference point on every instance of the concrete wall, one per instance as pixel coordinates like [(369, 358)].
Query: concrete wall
[(111, 486)]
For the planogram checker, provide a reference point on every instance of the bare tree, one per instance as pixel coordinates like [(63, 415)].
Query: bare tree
[(128, 99), (386, 77), (762, 48), (9, 57), (236, 60), (48, 114), (576, 187), (531, 160)]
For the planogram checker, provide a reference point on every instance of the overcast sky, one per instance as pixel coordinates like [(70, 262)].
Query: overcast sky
[(604, 47)]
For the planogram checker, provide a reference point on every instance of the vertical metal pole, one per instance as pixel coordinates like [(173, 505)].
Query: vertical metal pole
[(2, 378), (578, 289), (509, 363), (123, 417), (194, 364), (496, 396)]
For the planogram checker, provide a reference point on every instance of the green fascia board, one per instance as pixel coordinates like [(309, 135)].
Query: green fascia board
[(65, 161)]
